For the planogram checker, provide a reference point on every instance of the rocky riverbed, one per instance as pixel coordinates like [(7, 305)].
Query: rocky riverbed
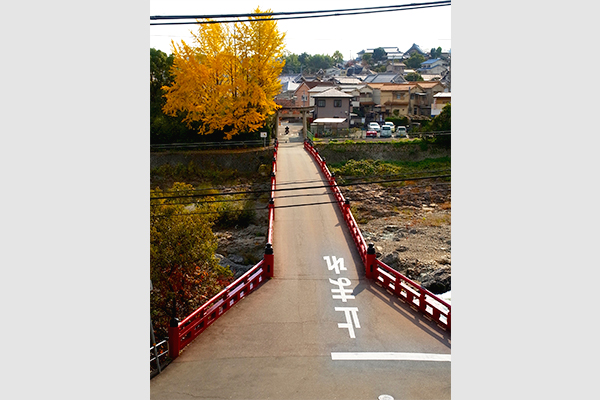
[(410, 227)]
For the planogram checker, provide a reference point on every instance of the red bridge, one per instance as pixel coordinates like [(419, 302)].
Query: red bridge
[(322, 318)]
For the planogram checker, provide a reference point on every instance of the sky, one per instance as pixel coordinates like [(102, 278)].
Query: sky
[(428, 28)]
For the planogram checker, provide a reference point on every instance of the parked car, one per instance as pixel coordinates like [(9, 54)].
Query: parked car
[(391, 124), (374, 126), (371, 133), (401, 131), (386, 131)]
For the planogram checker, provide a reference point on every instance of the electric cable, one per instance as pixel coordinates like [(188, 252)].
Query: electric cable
[(413, 6), (159, 17), (301, 188), (280, 207)]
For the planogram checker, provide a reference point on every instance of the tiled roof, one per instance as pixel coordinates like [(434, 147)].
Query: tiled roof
[(332, 93), (312, 84), (399, 87), (428, 84)]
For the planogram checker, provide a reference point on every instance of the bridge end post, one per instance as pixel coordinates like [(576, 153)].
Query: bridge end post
[(371, 260), (174, 338), (268, 260)]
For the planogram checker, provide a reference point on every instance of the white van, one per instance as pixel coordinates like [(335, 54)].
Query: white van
[(386, 131), (401, 131)]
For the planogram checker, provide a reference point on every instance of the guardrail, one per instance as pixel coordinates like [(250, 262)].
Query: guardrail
[(183, 333), (156, 352), (419, 298)]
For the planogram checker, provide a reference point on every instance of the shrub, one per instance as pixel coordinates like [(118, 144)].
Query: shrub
[(183, 267)]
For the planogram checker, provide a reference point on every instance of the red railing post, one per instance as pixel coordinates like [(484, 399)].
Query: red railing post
[(422, 301), (268, 261), (371, 261), (174, 343)]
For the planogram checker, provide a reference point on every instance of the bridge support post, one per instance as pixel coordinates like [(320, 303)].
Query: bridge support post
[(268, 264), (304, 129), (371, 261), (174, 338)]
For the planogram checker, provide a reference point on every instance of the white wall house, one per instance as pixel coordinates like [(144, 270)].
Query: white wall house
[(439, 101)]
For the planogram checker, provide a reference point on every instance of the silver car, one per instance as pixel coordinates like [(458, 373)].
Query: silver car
[(386, 131)]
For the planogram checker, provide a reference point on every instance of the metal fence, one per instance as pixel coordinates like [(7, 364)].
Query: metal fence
[(158, 357)]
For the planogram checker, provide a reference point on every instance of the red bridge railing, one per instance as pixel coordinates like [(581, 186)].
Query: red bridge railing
[(183, 333), (419, 298)]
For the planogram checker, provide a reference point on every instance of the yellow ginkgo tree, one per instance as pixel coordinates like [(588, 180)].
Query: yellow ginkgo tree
[(228, 79)]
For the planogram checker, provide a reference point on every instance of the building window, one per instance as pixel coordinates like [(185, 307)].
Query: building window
[(321, 103), (337, 103)]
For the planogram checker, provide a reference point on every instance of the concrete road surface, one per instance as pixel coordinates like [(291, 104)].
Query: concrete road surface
[(318, 329)]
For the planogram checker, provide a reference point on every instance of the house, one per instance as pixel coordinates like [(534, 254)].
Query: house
[(430, 89), (332, 108), (385, 77), (288, 81), (356, 69), (392, 53), (435, 66), (302, 94), (414, 48), (331, 73), (413, 100), (397, 99), (431, 77), (396, 67), (439, 101), (445, 80), (354, 91), (343, 80)]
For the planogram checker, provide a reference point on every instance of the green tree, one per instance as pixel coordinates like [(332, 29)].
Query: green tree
[(367, 60), (303, 58), (338, 57), (435, 53), (379, 54), (415, 60), (442, 121), (183, 268), (292, 64), (319, 61), (413, 77)]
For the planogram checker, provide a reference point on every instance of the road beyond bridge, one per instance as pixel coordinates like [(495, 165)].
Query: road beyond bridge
[(319, 329)]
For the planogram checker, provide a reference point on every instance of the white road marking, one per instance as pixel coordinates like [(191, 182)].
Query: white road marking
[(386, 356), (344, 294), (335, 263), (348, 312)]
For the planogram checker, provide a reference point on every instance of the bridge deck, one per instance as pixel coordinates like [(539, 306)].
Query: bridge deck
[(295, 338)]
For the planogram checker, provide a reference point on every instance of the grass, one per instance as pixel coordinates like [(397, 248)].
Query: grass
[(377, 168), (166, 174)]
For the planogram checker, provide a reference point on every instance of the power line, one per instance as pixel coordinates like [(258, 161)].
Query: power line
[(275, 207), (158, 17), (347, 180), (246, 199), (294, 15), (301, 188)]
